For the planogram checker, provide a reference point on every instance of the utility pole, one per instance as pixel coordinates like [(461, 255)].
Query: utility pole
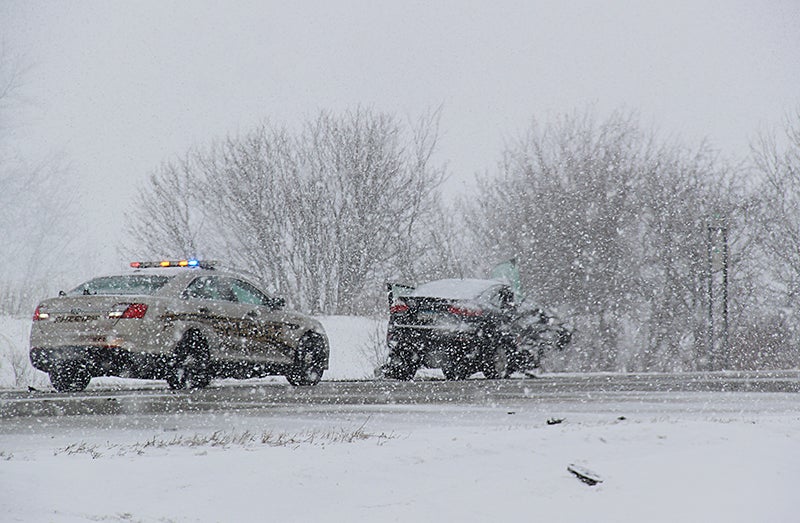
[(710, 280), (725, 340), (717, 343)]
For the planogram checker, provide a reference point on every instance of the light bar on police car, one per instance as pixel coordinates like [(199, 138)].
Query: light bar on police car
[(191, 262)]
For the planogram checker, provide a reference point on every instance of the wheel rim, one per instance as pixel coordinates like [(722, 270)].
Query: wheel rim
[(497, 365), (500, 362)]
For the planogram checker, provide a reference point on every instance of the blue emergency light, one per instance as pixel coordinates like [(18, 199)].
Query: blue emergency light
[(191, 262)]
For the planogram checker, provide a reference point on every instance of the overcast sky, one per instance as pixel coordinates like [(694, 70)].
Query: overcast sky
[(117, 87)]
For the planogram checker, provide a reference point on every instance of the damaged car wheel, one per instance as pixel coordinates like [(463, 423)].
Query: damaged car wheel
[(455, 369), (403, 363), (495, 364)]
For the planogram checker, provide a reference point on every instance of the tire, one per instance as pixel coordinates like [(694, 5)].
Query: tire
[(190, 367), (514, 362), (402, 365), (455, 369), (309, 362), (400, 372), (70, 378), (495, 365)]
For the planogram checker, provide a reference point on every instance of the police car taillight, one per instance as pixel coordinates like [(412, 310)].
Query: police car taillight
[(128, 311)]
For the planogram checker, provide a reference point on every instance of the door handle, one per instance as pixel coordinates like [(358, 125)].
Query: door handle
[(253, 314), (203, 310)]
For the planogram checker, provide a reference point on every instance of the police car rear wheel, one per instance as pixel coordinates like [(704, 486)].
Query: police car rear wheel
[(70, 378)]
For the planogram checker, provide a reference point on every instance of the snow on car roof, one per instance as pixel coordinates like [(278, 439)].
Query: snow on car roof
[(454, 289)]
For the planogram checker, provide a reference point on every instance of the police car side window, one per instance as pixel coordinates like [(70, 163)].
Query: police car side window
[(246, 293), (209, 288), (201, 289)]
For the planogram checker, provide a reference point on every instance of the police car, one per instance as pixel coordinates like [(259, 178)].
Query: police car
[(185, 321)]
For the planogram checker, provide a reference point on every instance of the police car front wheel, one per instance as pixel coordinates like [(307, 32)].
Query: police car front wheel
[(309, 362), (190, 366)]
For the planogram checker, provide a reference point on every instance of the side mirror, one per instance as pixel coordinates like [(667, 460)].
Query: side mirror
[(62, 293), (277, 303)]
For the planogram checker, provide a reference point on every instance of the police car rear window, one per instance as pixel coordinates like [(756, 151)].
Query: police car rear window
[(121, 285)]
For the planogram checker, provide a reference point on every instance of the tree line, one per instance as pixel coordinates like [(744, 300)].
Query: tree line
[(617, 230), (36, 206), (614, 228), (661, 254)]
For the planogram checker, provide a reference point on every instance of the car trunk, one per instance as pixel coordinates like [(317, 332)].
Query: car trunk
[(79, 320), (422, 311)]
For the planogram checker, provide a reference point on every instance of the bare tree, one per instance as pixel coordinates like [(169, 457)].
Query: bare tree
[(775, 228), (778, 166), (36, 208), (609, 227), (325, 215), (558, 206), (687, 195), (167, 219)]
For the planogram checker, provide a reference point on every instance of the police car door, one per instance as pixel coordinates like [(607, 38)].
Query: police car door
[(218, 310), (265, 340)]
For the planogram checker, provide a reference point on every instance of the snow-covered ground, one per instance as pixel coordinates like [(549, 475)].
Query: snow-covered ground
[(667, 457), (15, 368), (693, 457)]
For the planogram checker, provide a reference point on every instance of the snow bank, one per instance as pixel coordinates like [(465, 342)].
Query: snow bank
[(15, 367), (358, 345)]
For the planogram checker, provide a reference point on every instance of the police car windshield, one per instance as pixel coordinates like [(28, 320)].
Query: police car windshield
[(134, 284)]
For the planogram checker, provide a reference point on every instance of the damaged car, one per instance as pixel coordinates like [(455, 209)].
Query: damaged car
[(466, 326)]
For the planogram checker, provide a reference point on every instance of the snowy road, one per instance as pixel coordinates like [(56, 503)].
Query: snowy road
[(265, 396), (691, 447)]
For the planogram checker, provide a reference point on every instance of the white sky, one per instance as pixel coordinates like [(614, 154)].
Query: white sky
[(117, 87)]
